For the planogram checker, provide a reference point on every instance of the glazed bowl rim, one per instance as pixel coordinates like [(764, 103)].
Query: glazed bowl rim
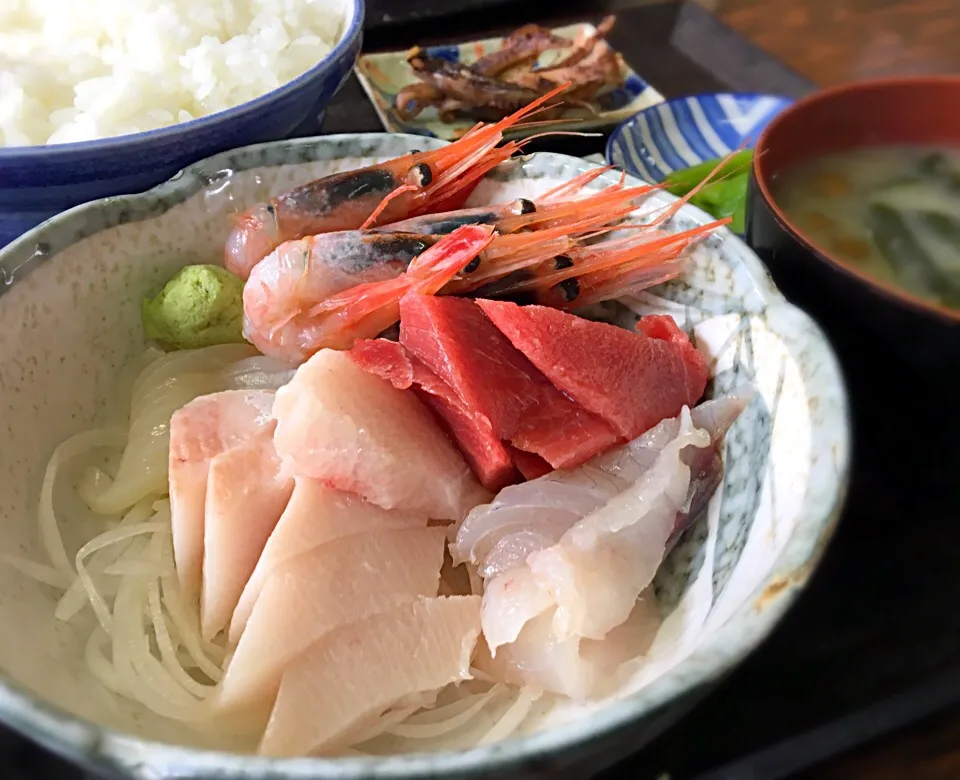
[(761, 177), (97, 746), (622, 127), (353, 17)]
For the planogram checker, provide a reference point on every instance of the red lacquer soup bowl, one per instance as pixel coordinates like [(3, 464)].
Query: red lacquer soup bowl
[(923, 110)]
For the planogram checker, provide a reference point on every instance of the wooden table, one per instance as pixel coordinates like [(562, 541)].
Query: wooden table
[(927, 751), (832, 41), (826, 42)]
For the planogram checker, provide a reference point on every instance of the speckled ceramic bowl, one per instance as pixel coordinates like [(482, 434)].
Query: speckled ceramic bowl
[(69, 323)]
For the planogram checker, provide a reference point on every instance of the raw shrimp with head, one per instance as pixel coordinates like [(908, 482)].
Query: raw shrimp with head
[(299, 276), (284, 316), (419, 183)]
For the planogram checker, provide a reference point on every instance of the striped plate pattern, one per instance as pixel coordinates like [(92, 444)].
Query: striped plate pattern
[(687, 131)]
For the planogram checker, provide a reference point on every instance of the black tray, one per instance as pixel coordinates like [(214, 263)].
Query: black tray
[(874, 642)]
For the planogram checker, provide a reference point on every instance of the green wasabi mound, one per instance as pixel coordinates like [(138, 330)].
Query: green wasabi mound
[(201, 306)]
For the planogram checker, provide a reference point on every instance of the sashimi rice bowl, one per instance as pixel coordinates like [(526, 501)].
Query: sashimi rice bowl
[(398, 457)]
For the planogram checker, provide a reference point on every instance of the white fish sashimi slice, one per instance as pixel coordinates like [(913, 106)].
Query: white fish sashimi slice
[(199, 431), (600, 566), (246, 494), (316, 514), (355, 674), (591, 578), (512, 550), (358, 433), (550, 497), (490, 536), (573, 666), (627, 643), (308, 596), (510, 601)]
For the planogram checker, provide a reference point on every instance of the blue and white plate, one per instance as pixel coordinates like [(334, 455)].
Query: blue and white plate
[(686, 131)]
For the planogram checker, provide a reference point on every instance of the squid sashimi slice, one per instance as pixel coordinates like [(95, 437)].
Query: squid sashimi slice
[(201, 430), (315, 593), (347, 680), (596, 570), (542, 598), (246, 494), (573, 666), (358, 433), (599, 567), (315, 515), (632, 380), (522, 519)]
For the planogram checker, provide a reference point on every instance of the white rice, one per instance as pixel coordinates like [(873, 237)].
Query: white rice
[(78, 70)]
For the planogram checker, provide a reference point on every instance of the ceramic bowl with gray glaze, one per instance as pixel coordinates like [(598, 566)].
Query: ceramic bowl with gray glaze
[(70, 324)]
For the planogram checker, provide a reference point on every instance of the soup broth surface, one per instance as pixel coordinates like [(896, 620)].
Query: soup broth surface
[(892, 212)]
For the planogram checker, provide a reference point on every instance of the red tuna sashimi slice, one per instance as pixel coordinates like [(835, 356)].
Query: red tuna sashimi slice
[(471, 431), (454, 338), (345, 681), (530, 465), (633, 380)]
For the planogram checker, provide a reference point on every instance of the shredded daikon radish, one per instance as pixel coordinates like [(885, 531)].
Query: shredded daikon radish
[(40, 572), (98, 543), (165, 385), (384, 723), (145, 569), (102, 669), (84, 442), (511, 719), (442, 720), (172, 365), (77, 595), (139, 671), (146, 644), (207, 656), (168, 652), (259, 373)]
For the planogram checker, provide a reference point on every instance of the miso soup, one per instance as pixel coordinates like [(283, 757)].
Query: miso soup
[(892, 212)]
